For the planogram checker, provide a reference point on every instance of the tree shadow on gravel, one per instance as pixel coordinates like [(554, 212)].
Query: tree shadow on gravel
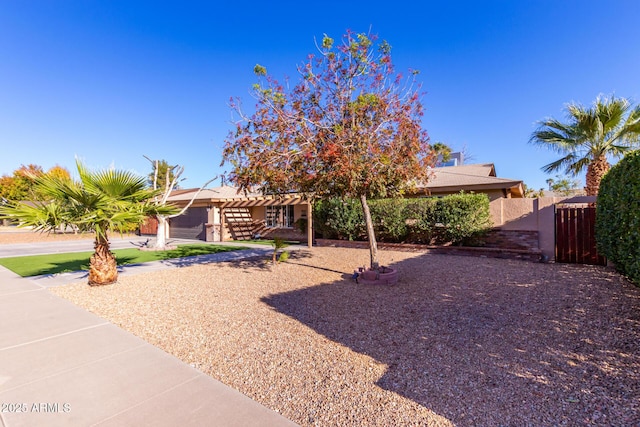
[(263, 261), (492, 342)]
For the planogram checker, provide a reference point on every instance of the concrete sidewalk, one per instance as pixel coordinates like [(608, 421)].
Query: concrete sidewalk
[(63, 366)]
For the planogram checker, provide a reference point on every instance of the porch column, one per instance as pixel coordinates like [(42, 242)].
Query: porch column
[(221, 224), (309, 224)]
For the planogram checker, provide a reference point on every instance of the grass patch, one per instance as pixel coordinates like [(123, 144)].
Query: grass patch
[(36, 265)]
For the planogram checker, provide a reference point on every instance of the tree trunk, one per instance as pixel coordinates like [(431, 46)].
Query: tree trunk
[(103, 269), (595, 171), (373, 245), (161, 234)]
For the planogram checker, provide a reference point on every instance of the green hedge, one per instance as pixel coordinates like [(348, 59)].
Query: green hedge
[(618, 216), (389, 220), (339, 219), (421, 220), (460, 219)]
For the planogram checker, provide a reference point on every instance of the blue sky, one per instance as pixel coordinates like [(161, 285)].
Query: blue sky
[(112, 81)]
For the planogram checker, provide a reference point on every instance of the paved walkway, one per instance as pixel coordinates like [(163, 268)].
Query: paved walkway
[(63, 366)]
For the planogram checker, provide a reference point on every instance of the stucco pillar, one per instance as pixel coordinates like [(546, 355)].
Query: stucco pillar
[(545, 210), (309, 224), (221, 224)]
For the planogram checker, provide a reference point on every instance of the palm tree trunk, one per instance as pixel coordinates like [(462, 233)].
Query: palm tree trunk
[(595, 171), (103, 269), (373, 245)]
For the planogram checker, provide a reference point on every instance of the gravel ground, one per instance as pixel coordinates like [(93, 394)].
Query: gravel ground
[(459, 341)]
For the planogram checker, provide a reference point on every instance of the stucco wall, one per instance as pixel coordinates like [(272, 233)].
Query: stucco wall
[(532, 215)]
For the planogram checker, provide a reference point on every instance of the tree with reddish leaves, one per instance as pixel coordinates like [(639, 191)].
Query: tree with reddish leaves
[(22, 184), (350, 127)]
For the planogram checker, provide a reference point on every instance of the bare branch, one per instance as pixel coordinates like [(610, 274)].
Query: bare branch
[(174, 181), (194, 197)]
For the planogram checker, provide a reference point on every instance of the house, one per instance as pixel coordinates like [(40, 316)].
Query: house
[(478, 178), (221, 213)]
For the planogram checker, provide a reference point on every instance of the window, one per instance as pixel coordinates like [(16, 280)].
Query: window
[(279, 216)]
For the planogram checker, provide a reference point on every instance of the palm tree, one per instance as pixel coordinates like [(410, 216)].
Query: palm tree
[(442, 152), (100, 202), (609, 128)]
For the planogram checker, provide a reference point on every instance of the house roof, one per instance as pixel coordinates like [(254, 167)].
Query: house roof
[(476, 177), (447, 179), (228, 196), (210, 194)]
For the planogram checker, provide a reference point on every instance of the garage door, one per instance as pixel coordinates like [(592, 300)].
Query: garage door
[(190, 225)]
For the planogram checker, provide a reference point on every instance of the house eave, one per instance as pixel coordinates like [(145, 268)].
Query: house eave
[(516, 188)]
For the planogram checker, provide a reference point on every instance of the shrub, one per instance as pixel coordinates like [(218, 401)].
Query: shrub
[(284, 257), (618, 216), (389, 222), (339, 219), (457, 219), (301, 224), (419, 216), (462, 219), (279, 243), (321, 220)]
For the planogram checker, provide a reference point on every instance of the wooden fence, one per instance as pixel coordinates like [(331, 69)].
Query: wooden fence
[(150, 226), (575, 236)]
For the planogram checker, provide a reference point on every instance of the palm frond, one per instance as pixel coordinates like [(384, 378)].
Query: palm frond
[(97, 202), (578, 166), (560, 142), (630, 132), (118, 183), (610, 111), (40, 216), (560, 164)]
